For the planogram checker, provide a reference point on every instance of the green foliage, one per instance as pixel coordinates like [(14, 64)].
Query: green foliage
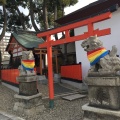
[(68, 2), (51, 4), (2, 2), (13, 16)]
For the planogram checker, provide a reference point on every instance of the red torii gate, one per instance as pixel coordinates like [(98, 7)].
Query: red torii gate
[(49, 43)]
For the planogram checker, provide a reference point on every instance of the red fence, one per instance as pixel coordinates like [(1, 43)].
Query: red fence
[(9, 75), (73, 72)]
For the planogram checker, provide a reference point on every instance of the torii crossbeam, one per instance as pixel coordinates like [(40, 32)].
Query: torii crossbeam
[(49, 42)]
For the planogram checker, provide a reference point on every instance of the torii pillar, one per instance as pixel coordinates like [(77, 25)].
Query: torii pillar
[(49, 43)]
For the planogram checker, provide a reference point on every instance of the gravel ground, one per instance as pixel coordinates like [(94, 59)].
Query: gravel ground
[(63, 110)]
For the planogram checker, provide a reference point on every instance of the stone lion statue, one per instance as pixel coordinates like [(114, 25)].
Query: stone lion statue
[(102, 61), (27, 64)]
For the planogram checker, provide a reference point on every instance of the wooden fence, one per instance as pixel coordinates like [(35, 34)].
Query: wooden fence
[(9, 75), (72, 72)]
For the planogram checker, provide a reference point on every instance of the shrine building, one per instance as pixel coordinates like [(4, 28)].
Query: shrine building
[(91, 10)]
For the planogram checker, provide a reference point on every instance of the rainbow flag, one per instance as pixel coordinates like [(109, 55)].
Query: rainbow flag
[(28, 64), (95, 55)]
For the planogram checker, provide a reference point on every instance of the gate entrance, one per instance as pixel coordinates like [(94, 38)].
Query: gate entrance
[(49, 42)]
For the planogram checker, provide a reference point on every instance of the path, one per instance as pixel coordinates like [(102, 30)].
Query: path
[(5, 116)]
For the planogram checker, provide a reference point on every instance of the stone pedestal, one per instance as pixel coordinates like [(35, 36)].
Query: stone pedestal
[(103, 94), (94, 113), (29, 101), (28, 88), (29, 105), (27, 85)]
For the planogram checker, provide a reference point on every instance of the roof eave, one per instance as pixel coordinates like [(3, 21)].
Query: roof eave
[(93, 7)]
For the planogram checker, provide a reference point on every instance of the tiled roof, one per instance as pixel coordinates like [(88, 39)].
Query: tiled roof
[(26, 40)]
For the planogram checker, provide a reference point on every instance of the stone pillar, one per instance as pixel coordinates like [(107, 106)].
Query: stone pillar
[(27, 85), (104, 98), (29, 100)]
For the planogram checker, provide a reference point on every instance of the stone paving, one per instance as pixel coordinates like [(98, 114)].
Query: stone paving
[(63, 109), (5, 116)]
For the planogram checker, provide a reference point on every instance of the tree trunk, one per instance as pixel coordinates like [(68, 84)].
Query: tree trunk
[(55, 14), (5, 23), (32, 16), (45, 14), (55, 18)]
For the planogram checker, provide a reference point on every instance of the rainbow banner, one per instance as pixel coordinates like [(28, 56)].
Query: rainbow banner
[(28, 64), (95, 55)]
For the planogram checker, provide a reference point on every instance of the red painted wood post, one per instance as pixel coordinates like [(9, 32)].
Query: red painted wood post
[(50, 73), (90, 29)]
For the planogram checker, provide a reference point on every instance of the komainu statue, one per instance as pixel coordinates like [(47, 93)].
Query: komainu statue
[(27, 64), (103, 62)]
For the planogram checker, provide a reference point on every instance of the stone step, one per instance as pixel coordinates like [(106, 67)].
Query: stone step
[(73, 97)]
